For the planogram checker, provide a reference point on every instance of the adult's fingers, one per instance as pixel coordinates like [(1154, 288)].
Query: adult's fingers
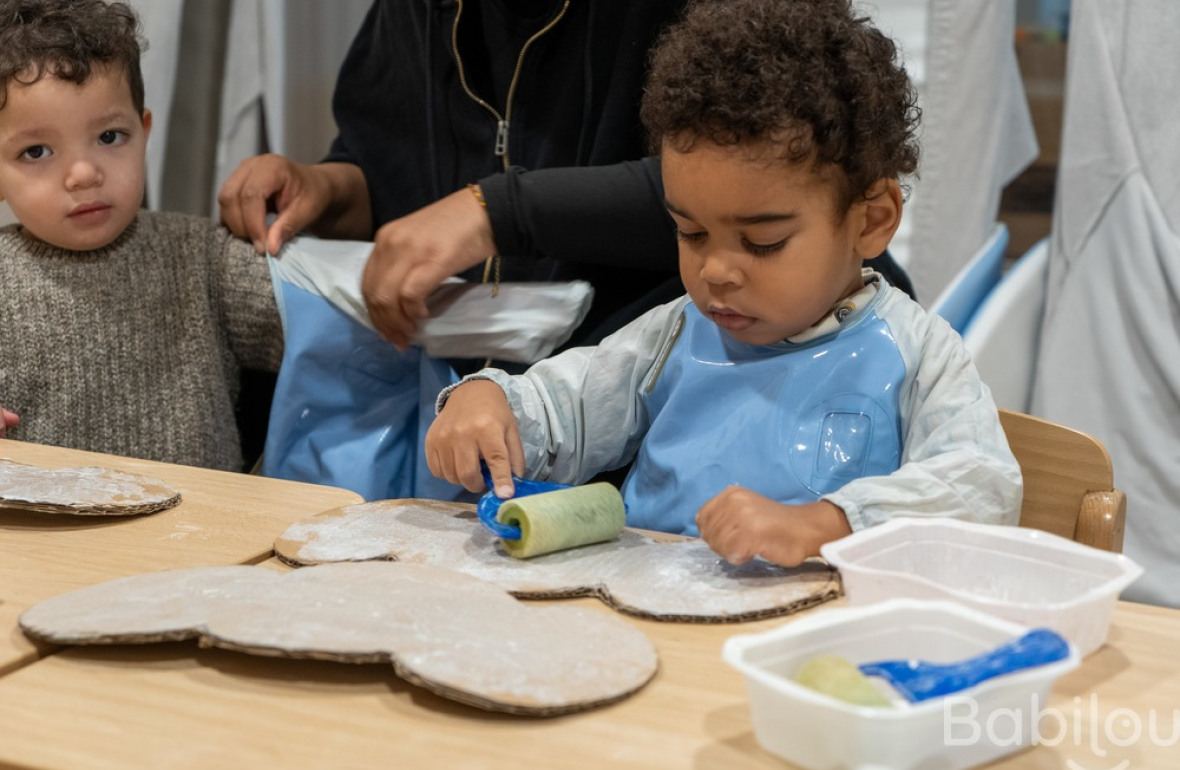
[(244, 196), (271, 176), (420, 282), (382, 275), (294, 216), (227, 200)]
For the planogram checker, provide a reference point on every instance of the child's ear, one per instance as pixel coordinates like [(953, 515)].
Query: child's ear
[(882, 215), (147, 123)]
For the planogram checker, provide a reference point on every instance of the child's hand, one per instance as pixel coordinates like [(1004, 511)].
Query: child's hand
[(7, 420), (739, 524), (476, 424)]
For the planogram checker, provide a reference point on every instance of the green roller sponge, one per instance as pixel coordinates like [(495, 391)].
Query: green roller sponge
[(839, 678), (567, 518)]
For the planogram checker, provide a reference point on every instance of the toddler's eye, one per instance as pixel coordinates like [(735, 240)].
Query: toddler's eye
[(111, 136), (764, 249), (690, 237), (36, 152)]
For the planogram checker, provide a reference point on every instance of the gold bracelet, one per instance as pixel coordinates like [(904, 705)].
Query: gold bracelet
[(491, 267), (478, 193)]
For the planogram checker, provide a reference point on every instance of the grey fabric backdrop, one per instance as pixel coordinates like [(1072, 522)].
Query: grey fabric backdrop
[(228, 79)]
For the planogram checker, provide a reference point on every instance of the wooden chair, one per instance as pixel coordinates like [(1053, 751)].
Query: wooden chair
[(1068, 482)]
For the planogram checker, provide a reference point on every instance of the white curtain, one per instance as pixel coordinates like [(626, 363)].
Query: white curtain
[(976, 132), (907, 22), (161, 20), (281, 62), (229, 79), (1110, 346)]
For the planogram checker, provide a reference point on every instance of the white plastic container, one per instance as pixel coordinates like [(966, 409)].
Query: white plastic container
[(1021, 574), (818, 732)]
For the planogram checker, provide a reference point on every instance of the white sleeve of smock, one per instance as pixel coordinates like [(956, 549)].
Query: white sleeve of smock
[(955, 458), (579, 413)]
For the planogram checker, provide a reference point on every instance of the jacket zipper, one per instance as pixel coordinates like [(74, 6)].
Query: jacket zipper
[(491, 267), (501, 148)]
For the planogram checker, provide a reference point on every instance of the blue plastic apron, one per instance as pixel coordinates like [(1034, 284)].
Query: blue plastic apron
[(791, 422), (349, 409)]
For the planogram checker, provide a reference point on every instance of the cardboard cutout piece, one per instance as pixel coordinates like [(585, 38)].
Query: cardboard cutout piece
[(675, 581), (86, 491), (457, 636)]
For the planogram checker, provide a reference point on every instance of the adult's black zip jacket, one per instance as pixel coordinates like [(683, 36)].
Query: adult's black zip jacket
[(572, 196), (408, 120)]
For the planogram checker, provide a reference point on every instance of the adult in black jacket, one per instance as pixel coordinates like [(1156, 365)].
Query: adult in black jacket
[(435, 95)]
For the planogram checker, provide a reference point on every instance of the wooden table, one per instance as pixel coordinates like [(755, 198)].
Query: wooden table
[(223, 518), (176, 706)]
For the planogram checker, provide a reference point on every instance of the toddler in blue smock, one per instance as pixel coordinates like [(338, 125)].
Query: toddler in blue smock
[(790, 397)]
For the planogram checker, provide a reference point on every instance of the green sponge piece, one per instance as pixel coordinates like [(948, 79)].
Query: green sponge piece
[(839, 678), (567, 518)]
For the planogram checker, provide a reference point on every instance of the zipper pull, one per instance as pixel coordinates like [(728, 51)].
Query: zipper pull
[(501, 138)]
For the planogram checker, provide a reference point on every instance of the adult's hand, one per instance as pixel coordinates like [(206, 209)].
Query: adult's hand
[(331, 199), (414, 254)]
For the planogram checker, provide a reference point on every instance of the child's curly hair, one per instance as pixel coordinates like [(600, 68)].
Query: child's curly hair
[(809, 75), (66, 39)]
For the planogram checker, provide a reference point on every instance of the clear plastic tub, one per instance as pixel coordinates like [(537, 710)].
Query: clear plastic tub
[(818, 732), (1021, 574)]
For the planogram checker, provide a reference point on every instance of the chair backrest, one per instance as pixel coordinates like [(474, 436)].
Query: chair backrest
[(1003, 336), (1068, 482), (963, 295)]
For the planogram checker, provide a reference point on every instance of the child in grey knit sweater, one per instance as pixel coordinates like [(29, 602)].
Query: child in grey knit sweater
[(121, 330)]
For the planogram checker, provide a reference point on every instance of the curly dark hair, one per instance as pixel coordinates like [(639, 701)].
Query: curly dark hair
[(66, 39), (807, 75)]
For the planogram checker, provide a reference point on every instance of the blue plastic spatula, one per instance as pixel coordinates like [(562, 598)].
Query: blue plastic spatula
[(918, 680), (489, 504)]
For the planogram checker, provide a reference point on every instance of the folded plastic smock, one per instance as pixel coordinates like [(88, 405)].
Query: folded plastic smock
[(351, 410)]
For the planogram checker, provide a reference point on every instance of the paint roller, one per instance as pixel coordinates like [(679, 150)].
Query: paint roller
[(544, 517)]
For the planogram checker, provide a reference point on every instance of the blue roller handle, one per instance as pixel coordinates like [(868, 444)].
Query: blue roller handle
[(917, 680), (489, 505)]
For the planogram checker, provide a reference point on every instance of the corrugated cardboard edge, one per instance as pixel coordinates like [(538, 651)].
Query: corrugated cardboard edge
[(93, 510), (150, 486)]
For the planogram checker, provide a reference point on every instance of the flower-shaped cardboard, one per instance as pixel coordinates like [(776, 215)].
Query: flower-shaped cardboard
[(459, 637), (678, 581)]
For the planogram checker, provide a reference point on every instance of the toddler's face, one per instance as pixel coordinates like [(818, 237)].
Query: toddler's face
[(761, 252), (72, 158)]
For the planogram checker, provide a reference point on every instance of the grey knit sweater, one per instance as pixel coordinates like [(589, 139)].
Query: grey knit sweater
[(135, 349)]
